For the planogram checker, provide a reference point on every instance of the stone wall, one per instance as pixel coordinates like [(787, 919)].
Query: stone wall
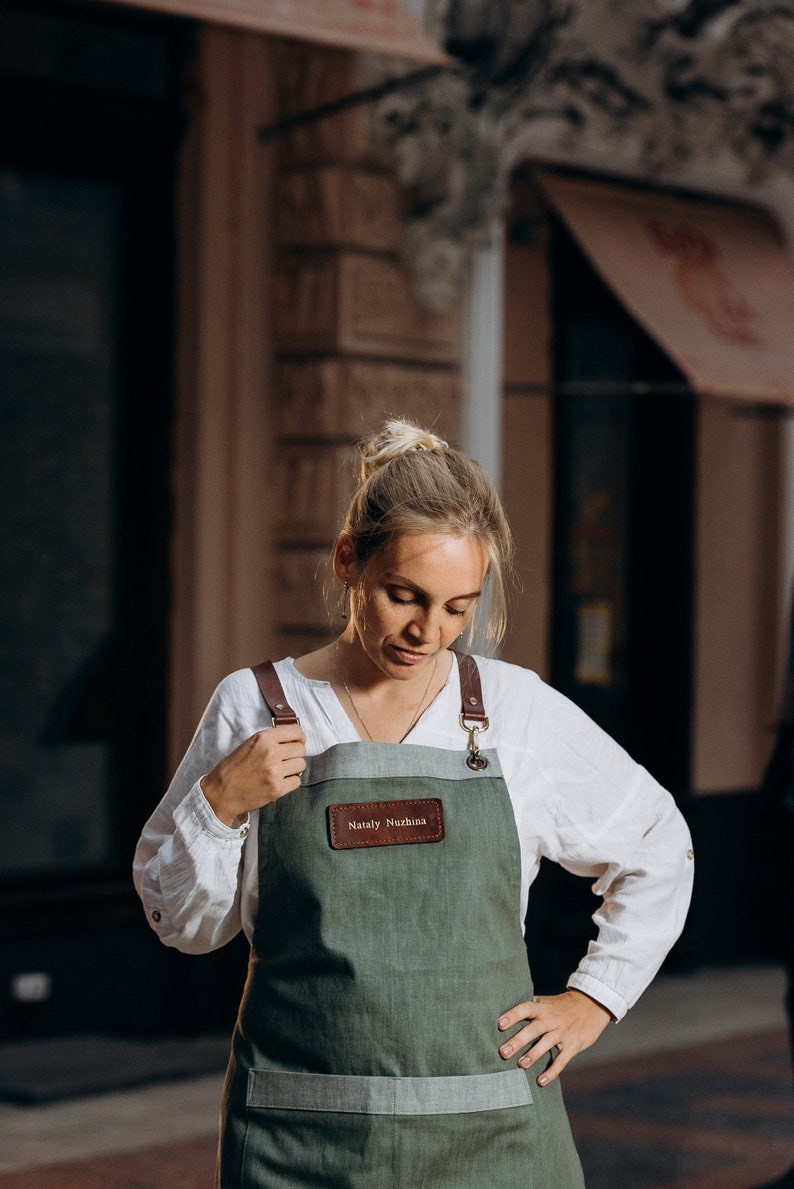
[(352, 345)]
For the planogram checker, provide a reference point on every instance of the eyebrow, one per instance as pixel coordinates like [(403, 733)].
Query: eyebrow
[(399, 580)]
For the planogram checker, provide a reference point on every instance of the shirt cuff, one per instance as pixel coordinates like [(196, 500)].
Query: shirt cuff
[(195, 812), (606, 996)]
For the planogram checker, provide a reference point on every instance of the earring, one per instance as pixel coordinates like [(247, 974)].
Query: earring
[(345, 596)]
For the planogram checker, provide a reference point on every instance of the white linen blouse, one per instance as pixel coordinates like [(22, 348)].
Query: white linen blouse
[(578, 800)]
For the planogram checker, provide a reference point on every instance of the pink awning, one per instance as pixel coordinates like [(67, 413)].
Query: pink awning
[(374, 26), (710, 281)]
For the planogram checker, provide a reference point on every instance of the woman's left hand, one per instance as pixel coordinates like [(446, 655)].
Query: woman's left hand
[(570, 1022)]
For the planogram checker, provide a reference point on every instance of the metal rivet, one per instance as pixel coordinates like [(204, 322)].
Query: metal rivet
[(279, 705), (476, 762), (157, 916), (473, 701)]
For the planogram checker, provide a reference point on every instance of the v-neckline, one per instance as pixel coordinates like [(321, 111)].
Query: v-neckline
[(337, 714)]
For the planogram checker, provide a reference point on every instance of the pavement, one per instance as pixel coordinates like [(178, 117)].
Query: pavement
[(711, 1005)]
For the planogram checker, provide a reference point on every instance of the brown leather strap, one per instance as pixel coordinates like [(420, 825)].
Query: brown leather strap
[(472, 707), (273, 693)]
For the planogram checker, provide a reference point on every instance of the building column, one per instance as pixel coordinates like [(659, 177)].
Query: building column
[(220, 573)]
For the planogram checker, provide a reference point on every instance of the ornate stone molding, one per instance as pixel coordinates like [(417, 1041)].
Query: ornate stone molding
[(667, 91)]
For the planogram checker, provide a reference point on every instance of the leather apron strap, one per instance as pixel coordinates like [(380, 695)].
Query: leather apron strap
[(472, 709), (471, 690), (272, 691), (473, 718)]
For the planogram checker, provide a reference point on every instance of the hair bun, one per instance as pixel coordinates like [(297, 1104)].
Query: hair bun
[(396, 438)]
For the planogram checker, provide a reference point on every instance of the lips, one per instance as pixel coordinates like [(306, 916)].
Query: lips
[(406, 657)]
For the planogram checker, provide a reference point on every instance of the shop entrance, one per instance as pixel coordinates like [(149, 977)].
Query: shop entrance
[(86, 195), (623, 567), (624, 515)]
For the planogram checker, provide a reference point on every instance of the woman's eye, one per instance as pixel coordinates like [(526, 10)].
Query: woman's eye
[(403, 598), (455, 611)]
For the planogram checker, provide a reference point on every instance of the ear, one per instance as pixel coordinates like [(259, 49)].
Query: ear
[(344, 561)]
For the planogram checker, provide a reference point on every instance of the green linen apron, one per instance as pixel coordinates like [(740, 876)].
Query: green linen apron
[(366, 1050)]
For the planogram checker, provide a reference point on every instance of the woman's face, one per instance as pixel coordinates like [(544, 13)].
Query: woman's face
[(413, 599)]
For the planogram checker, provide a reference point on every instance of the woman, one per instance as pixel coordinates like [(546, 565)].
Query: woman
[(339, 809)]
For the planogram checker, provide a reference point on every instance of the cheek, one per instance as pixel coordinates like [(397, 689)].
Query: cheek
[(378, 615), (393, 618)]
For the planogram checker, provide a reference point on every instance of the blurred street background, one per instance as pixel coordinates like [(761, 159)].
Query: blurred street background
[(693, 1090), (234, 236)]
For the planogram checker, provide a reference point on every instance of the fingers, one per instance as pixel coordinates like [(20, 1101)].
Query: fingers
[(560, 1024), (285, 747), (538, 1025), (263, 768), (534, 1040), (272, 747), (277, 759), (290, 735), (292, 732), (522, 1011)]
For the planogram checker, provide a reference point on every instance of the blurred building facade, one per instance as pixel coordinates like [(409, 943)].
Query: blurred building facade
[(208, 298)]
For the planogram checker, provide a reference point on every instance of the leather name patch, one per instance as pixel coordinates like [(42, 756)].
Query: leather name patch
[(386, 823)]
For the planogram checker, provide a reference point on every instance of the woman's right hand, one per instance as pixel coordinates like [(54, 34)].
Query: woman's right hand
[(262, 769)]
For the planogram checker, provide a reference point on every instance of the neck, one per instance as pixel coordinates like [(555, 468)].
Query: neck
[(385, 710)]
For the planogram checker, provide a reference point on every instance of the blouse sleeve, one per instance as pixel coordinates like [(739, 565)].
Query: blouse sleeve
[(612, 822), (188, 865)]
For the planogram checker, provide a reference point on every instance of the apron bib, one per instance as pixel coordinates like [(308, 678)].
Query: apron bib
[(387, 944)]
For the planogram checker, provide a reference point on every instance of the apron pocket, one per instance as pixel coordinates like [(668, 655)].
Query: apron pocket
[(281, 1090)]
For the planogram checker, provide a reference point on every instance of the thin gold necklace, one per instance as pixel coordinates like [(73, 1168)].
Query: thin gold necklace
[(356, 711)]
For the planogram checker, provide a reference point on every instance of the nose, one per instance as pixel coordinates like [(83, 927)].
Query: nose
[(425, 625)]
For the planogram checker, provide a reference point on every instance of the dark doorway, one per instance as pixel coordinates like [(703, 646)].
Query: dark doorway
[(624, 514), (623, 567), (87, 166)]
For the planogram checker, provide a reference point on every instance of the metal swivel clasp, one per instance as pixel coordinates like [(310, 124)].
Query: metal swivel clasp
[(474, 760)]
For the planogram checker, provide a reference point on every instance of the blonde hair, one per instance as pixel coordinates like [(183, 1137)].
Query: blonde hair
[(412, 482)]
